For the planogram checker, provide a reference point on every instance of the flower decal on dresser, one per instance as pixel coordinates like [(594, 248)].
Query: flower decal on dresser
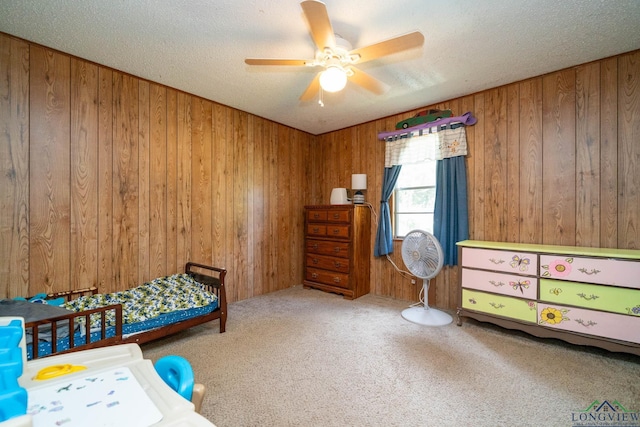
[(557, 268), (553, 316)]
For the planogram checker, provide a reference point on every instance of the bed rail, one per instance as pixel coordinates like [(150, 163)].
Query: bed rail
[(213, 279), (74, 322), (77, 293)]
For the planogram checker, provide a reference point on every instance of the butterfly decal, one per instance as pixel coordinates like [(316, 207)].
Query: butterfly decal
[(521, 263), (523, 284)]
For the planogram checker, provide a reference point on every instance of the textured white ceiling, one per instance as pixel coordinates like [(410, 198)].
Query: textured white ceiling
[(199, 46)]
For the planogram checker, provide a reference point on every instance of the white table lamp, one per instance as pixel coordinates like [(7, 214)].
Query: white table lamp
[(358, 185)]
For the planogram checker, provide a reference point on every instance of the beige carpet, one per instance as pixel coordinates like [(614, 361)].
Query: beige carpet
[(301, 357)]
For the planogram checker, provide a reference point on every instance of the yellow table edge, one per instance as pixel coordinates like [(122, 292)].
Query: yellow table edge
[(553, 249)]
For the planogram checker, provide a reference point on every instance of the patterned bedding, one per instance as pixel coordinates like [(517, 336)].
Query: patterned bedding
[(147, 301)]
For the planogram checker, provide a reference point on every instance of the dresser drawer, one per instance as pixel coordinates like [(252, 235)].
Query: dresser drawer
[(600, 297), (327, 247), (604, 271), (316, 215), (499, 305), (506, 261), (591, 322), (327, 277), (328, 263), (339, 215), (329, 215), (329, 230), (317, 230), (507, 284)]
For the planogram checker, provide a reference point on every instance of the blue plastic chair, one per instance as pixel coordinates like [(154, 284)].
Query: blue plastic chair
[(176, 371)]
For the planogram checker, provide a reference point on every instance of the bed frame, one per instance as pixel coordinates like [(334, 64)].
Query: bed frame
[(211, 277)]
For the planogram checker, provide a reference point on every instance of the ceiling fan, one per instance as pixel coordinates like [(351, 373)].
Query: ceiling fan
[(337, 57)]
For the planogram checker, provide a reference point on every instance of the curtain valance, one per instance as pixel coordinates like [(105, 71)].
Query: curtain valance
[(437, 140), (428, 146)]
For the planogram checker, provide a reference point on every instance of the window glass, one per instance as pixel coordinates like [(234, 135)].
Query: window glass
[(414, 198)]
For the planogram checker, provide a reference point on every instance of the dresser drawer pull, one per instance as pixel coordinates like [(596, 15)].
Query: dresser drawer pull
[(336, 231), (587, 323), (337, 264), (589, 273), (316, 230), (336, 250), (588, 298), (315, 246), (314, 275), (315, 260), (316, 215), (336, 279), (496, 306), (336, 216)]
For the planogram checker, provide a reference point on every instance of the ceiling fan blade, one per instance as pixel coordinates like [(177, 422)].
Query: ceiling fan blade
[(387, 47), (368, 82), (294, 62), (319, 24), (312, 89)]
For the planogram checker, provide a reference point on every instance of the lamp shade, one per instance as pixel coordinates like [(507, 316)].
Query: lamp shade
[(339, 196), (333, 79), (359, 181)]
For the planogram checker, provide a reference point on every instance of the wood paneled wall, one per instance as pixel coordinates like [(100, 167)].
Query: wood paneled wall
[(553, 159), (109, 180)]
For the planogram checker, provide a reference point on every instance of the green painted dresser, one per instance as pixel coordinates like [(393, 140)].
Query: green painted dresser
[(586, 296)]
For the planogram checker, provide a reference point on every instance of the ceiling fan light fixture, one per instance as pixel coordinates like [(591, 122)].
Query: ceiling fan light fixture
[(333, 79)]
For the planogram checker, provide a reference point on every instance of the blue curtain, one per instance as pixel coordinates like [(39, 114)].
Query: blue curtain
[(384, 236), (451, 215)]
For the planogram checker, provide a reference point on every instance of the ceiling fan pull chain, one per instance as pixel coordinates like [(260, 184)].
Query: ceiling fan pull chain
[(320, 98)]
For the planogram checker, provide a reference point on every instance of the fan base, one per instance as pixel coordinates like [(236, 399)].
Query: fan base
[(426, 316)]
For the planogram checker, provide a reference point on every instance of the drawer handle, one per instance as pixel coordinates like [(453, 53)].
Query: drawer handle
[(316, 230), (496, 306), (587, 323), (496, 261), (336, 216), (496, 284), (336, 279), (337, 264), (589, 273), (315, 246), (316, 215), (588, 298), (315, 260), (336, 231), (336, 249), (314, 275)]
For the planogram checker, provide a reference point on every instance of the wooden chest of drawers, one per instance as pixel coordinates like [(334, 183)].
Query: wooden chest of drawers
[(338, 249), (586, 296)]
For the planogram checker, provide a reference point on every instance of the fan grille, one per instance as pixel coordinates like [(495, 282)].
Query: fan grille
[(422, 254)]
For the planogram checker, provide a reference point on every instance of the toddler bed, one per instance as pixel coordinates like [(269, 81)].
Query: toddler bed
[(161, 307)]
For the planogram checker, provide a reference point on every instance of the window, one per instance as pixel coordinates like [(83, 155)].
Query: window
[(414, 198)]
